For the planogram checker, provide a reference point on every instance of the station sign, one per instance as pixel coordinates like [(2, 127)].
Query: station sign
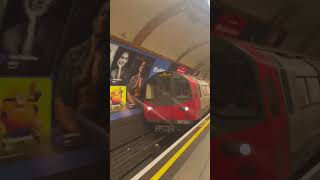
[(240, 25), (230, 25), (182, 69)]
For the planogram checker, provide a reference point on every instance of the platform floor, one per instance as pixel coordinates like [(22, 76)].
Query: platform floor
[(197, 165), (314, 174)]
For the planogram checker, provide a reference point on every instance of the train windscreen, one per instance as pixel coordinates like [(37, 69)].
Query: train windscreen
[(236, 103), (167, 89), (235, 96)]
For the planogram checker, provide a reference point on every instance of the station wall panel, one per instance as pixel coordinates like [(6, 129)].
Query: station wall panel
[(130, 68)]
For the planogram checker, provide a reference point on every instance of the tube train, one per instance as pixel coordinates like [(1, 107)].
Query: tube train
[(266, 107), (174, 100)]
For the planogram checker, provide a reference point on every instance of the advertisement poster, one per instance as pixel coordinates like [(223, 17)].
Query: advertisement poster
[(31, 33), (113, 50), (159, 66), (25, 116), (117, 98), (121, 66), (3, 5), (139, 73)]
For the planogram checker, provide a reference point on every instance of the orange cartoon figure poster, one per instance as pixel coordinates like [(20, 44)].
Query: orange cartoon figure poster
[(25, 116), (117, 98)]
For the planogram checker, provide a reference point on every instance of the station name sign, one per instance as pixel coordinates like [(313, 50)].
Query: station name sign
[(182, 69), (230, 25)]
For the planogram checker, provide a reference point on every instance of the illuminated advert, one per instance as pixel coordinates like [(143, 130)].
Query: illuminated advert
[(25, 115), (117, 98), (159, 66)]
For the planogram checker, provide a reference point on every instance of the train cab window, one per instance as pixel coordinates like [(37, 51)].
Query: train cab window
[(283, 76), (204, 90), (301, 92), (149, 92), (235, 91), (274, 101), (199, 90), (182, 89), (167, 89), (314, 89), (159, 91), (236, 98), (207, 90)]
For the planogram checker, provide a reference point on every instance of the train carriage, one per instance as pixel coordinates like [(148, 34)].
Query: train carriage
[(266, 111), (173, 99)]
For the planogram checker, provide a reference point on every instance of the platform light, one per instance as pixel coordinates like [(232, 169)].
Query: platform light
[(149, 108)]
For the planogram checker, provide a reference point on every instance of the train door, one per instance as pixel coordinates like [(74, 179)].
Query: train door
[(275, 112)]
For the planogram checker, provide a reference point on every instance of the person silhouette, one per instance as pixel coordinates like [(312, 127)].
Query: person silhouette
[(79, 79)]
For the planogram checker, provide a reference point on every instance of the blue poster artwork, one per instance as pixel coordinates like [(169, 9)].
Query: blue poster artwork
[(159, 66)]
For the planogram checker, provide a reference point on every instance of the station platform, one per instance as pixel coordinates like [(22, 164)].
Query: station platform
[(313, 174), (197, 165), (187, 158)]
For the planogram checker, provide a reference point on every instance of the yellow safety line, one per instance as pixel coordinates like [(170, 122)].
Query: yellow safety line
[(169, 163)]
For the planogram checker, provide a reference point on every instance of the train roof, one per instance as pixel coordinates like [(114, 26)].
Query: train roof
[(194, 78), (296, 63), (290, 54)]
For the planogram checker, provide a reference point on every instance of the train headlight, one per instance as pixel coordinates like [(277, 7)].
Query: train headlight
[(185, 108), (241, 149), (149, 108), (245, 149)]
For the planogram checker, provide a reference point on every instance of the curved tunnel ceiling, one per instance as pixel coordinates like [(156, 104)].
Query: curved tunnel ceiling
[(299, 18), (178, 30)]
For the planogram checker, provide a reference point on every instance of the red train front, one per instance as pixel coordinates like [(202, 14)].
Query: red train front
[(266, 112), (173, 99)]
